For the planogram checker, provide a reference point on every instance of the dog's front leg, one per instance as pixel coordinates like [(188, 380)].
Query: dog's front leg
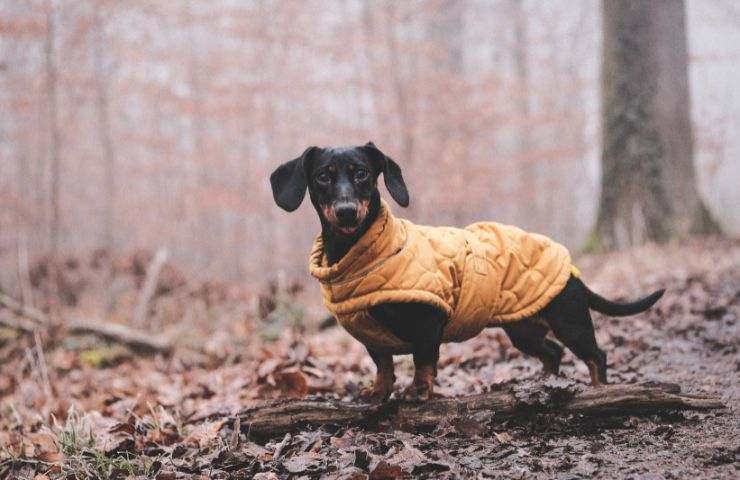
[(384, 378), (425, 364)]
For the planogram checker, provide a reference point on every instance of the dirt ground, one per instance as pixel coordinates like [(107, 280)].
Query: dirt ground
[(73, 408)]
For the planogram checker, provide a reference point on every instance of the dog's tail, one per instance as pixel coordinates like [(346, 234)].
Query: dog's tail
[(613, 309)]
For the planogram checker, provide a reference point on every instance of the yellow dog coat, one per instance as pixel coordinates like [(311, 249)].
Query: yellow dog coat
[(481, 276)]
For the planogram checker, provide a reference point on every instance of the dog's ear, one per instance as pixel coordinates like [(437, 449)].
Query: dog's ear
[(391, 174), (289, 181)]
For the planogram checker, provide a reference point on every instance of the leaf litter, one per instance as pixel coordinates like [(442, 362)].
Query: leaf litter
[(134, 416)]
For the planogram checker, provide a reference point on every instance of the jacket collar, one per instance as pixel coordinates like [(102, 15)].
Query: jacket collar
[(385, 238)]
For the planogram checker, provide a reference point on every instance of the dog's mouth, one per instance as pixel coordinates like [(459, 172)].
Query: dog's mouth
[(348, 230), (346, 226)]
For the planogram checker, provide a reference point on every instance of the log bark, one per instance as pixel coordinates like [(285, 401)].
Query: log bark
[(277, 417)]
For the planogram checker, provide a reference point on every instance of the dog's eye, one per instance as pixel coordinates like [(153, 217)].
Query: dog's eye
[(361, 175), (323, 177)]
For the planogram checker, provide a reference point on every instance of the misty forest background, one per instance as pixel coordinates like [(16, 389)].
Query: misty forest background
[(146, 124), (157, 319)]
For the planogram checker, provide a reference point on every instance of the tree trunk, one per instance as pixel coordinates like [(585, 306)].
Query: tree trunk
[(527, 192), (648, 187), (104, 133), (53, 125)]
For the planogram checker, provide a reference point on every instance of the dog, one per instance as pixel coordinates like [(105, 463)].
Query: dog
[(357, 228)]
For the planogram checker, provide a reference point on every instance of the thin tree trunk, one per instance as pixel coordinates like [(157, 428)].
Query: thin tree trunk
[(525, 208), (399, 89), (104, 133), (53, 128), (22, 224), (648, 188), (207, 221)]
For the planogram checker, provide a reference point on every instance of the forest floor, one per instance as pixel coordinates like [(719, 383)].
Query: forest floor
[(72, 406)]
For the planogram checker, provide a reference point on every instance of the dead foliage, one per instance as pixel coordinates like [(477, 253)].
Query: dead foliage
[(76, 407)]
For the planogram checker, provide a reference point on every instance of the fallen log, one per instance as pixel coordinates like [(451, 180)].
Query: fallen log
[(115, 332), (139, 341), (281, 416), (23, 310)]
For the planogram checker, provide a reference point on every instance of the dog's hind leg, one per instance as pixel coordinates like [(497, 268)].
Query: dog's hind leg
[(529, 336), (569, 317)]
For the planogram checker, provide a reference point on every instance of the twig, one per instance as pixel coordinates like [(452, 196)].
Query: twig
[(20, 324), (115, 332), (41, 363), (19, 309), (150, 286)]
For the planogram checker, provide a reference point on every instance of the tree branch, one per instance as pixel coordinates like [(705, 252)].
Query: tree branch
[(150, 286), (114, 332), (22, 310)]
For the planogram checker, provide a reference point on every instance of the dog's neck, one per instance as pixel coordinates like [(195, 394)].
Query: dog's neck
[(336, 246)]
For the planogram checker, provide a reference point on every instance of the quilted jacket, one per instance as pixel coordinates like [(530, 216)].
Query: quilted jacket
[(482, 275)]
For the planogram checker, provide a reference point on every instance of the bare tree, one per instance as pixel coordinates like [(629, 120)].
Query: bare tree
[(648, 188), (104, 128), (53, 126), (528, 172)]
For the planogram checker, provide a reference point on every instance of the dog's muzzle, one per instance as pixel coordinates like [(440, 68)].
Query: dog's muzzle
[(346, 216)]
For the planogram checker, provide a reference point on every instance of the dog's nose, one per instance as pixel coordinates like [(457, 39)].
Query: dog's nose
[(346, 212)]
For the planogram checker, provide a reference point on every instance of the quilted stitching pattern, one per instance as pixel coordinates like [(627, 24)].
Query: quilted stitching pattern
[(483, 275)]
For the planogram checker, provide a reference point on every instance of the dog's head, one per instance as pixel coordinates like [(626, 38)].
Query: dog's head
[(341, 183)]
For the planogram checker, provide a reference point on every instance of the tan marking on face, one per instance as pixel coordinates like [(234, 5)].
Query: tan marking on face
[(362, 210), (329, 214)]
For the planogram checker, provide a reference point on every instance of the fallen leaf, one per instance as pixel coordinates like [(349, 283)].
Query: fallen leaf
[(202, 435), (291, 383), (304, 462), (267, 367), (503, 437), (43, 447), (266, 476), (386, 471)]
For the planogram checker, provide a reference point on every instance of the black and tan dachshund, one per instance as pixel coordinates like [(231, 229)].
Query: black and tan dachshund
[(343, 187)]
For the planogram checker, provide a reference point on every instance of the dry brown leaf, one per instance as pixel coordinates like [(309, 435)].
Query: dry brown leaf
[(303, 463), (266, 476), (386, 471), (291, 383), (202, 435), (42, 446), (503, 437), (268, 366)]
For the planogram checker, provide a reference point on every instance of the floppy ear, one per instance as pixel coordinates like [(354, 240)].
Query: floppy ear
[(289, 181), (391, 174)]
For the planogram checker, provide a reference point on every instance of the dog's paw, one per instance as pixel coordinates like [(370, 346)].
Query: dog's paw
[(417, 392), (375, 393)]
